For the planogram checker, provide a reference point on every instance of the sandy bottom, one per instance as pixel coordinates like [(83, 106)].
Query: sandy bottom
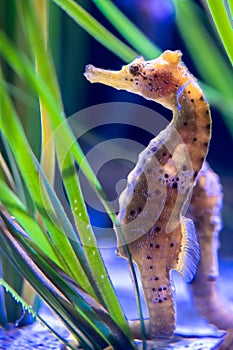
[(37, 336), (34, 336), (193, 332)]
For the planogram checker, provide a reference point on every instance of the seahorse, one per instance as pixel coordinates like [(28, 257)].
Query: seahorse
[(152, 206), (205, 211)]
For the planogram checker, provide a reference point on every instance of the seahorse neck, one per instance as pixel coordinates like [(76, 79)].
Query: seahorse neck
[(192, 121)]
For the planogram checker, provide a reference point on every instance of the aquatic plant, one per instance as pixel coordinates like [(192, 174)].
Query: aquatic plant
[(36, 234)]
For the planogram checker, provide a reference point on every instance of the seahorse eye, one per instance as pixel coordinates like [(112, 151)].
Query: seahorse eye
[(134, 69)]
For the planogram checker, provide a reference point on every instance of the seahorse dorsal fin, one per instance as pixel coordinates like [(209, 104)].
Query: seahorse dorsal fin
[(190, 254)]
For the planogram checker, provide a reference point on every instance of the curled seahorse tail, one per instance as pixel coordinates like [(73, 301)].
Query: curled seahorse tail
[(158, 293), (205, 211)]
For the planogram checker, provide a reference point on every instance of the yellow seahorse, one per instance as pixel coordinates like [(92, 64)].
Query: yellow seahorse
[(160, 239)]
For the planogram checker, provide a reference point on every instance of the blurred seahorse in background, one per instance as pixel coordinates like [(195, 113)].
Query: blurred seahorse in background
[(205, 211), (159, 238)]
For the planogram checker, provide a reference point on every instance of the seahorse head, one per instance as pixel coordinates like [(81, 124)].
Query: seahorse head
[(157, 79)]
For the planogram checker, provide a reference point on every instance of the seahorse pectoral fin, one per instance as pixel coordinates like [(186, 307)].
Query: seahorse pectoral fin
[(190, 253)]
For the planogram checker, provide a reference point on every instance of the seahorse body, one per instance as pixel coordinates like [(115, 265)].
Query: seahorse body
[(205, 211), (159, 237)]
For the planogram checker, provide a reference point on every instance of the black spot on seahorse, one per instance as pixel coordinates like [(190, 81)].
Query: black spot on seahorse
[(134, 69)]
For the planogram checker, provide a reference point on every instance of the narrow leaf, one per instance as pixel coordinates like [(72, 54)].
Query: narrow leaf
[(101, 279), (223, 24), (28, 308), (88, 309), (3, 317), (61, 220), (53, 296), (95, 29), (17, 209), (128, 29), (16, 138), (6, 174), (205, 54)]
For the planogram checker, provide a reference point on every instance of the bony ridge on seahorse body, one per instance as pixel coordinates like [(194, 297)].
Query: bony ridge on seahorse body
[(151, 210)]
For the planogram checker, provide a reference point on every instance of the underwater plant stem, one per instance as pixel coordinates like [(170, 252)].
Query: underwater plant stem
[(128, 29), (223, 24), (6, 174), (95, 29), (139, 304), (209, 60), (230, 5), (48, 155)]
